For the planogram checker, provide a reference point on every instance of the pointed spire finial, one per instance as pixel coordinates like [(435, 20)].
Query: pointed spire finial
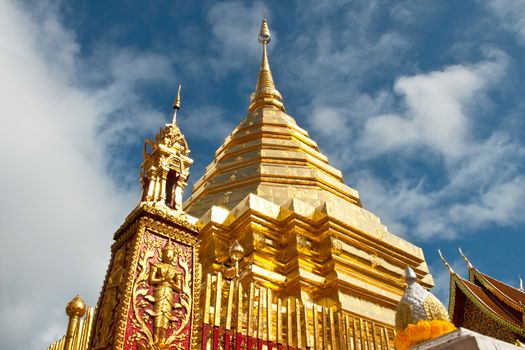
[(469, 264), (265, 95), (521, 283), (445, 262), (176, 104)]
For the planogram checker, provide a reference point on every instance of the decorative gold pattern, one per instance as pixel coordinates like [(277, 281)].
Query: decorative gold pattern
[(297, 324), (479, 322), (337, 246), (170, 303), (303, 245), (111, 298), (375, 260), (258, 240), (165, 169), (481, 306)]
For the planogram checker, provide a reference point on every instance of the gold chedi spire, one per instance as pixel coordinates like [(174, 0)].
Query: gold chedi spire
[(265, 95)]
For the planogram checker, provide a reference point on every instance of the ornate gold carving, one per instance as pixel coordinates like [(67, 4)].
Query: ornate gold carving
[(380, 233), (111, 298), (375, 260), (170, 303), (303, 244), (226, 198), (481, 323), (179, 218), (259, 242), (131, 233), (165, 168), (337, 246)]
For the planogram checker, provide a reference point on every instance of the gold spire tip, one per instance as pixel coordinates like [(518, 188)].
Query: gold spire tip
[(176, 103), (265, 94), (264, 33)]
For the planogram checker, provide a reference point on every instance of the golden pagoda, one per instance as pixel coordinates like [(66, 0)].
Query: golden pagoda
[(288, 256), (305, 232)]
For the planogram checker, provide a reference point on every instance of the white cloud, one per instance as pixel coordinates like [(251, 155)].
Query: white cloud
[(511, 14), (502, 204), (60, 205), (437, 106), (435, 123), (484, 188)]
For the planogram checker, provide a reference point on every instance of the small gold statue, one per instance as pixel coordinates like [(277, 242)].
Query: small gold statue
[(166, 280)]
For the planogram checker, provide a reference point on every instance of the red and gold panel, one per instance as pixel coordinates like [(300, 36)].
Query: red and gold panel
[(160, 314)]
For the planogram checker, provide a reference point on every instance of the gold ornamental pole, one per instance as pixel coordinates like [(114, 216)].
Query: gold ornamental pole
[(75, 309)]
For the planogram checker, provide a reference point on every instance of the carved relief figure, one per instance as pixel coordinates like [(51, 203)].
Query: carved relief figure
[(162, 296), (107, 318), (166, 280)]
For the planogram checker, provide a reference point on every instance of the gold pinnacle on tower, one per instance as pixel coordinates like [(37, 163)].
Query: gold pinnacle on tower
[(176, 105), (265, 94)]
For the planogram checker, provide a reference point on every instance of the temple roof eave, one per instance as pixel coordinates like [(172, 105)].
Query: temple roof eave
[(481, 300)]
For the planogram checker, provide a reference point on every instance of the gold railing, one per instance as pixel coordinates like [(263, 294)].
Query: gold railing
[(234, 318), (79, 330)]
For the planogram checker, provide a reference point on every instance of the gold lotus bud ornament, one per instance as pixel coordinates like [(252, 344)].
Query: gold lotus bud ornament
[(76, 307), (236, 254)]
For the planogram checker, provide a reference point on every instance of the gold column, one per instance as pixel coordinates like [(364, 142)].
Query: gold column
[(239, 307), (316, 330), (269, 320), (332, 329), (279, 321), (229, 307), (163, 179), (298, 322), (260, 307), (325, 328), (75, 309), (218, 298), (207, 300), (289, 321), (250, 310)]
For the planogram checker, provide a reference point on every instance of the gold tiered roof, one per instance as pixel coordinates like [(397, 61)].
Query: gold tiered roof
[(304, 230), (269, 155)]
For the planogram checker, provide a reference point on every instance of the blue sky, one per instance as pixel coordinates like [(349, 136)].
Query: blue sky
[(419, 103)]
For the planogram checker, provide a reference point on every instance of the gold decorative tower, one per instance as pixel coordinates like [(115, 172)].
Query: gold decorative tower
[(151, 292), (304, 231)]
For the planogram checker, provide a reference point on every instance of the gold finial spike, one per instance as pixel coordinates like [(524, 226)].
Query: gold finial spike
[(176, 104), (446, 263), (265, 95), (470, 266)]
